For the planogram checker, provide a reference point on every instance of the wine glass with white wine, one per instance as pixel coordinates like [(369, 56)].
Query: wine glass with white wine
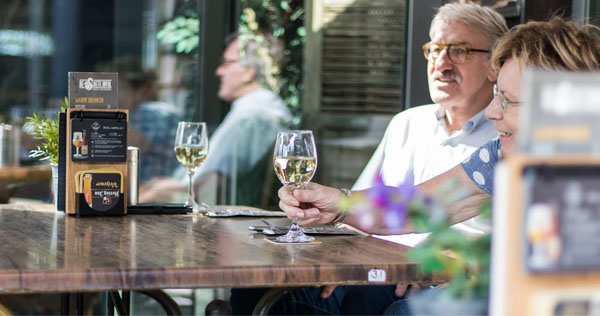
[(191, 149), (295, 163)]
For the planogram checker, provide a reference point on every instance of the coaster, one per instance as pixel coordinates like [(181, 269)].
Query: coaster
[(272, 240)]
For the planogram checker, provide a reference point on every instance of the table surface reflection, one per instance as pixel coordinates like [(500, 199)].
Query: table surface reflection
[(47, 251)]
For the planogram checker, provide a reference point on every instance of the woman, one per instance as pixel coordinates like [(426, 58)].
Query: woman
[(551, 45)]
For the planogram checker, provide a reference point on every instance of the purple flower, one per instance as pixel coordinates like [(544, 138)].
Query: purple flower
[(392, 202)]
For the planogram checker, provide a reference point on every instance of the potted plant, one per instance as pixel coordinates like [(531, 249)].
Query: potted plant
[(464, 259), (45, 128)]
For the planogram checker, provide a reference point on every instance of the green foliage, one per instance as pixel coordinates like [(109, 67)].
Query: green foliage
[(182, 32), (285, 20), (448, 251), (46, 129)]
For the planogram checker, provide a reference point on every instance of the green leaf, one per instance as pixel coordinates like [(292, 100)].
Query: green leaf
[(46, 129), (284, 5), (182, 32)]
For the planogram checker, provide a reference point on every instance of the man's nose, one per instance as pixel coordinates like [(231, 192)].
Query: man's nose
[(219, 71), (442, 62), (494, 110)]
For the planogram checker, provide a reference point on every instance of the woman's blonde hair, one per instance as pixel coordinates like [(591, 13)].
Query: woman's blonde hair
[(557, 44)]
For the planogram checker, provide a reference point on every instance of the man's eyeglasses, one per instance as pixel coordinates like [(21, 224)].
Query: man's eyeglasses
[(457, 53), (226, 62), (504, 102)]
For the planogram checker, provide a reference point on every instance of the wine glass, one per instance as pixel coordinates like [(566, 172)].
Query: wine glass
[(191, 149), (77, 139), (295, 163)]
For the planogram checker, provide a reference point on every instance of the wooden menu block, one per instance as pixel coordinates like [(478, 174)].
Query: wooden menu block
[(74, 165), (540, 266)]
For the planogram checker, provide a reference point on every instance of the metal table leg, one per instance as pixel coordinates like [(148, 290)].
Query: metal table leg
[(127, 300), (78, 303), (110, 306), (266, 302), (64, 304), (118, 302), (166, 302)]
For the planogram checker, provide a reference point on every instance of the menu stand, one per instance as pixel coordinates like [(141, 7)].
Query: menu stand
[(93, 145)]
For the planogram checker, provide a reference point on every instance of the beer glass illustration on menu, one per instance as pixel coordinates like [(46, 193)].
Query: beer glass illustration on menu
[(87, 189), (77, 142)]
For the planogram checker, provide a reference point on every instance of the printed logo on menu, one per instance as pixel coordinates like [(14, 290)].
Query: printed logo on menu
[(90, 84), (96, 126)]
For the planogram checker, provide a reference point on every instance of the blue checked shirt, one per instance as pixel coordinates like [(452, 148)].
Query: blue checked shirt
[(157, 121)]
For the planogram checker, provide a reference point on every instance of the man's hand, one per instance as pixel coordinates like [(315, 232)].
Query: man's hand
[(315, 204), (327, 290), (160, 190), (401, 289)]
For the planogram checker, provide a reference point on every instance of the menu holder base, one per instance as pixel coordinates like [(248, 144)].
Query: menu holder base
[(83, 208)]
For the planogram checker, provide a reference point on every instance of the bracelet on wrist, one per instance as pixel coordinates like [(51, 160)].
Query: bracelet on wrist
[(347, 192), (341, 216)]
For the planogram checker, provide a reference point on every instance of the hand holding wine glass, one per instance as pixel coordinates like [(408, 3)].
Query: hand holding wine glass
[(295, 163), (191, 149)]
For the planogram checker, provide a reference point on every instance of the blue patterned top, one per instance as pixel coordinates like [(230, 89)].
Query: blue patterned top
[(480, 165)]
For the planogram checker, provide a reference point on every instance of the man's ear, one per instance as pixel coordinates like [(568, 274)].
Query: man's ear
[(249, 74)]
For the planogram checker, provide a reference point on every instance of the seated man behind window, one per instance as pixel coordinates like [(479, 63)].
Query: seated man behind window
[(241, 147)]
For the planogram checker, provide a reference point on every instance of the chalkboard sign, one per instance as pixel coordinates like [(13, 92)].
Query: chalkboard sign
[(562, 218), (97, 90)]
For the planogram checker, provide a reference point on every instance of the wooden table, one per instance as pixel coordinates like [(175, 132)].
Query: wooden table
[(48, 251), (11, 177)]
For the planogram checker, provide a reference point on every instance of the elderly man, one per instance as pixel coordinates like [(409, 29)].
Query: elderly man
[(425, 141), (239, 145), (428, 140), (553, 45)]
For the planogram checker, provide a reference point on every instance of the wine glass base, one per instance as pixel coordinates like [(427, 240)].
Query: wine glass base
[(295, 236)]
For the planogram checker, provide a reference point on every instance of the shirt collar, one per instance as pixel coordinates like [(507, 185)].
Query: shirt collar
[(470, 126), (248, 99), (474, 122), (266, 101)]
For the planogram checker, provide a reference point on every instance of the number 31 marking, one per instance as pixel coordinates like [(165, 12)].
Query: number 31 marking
[(376, 275)]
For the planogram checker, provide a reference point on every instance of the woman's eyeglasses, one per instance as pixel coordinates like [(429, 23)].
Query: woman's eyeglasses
[(504, 102)]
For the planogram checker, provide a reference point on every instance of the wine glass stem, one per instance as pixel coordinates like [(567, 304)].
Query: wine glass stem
[(190, 198), (294, 225)]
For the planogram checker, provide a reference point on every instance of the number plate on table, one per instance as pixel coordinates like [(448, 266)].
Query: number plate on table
[(376, 275)]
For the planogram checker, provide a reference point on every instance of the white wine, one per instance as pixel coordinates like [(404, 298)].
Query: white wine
[(295, 171), (191, 157)]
